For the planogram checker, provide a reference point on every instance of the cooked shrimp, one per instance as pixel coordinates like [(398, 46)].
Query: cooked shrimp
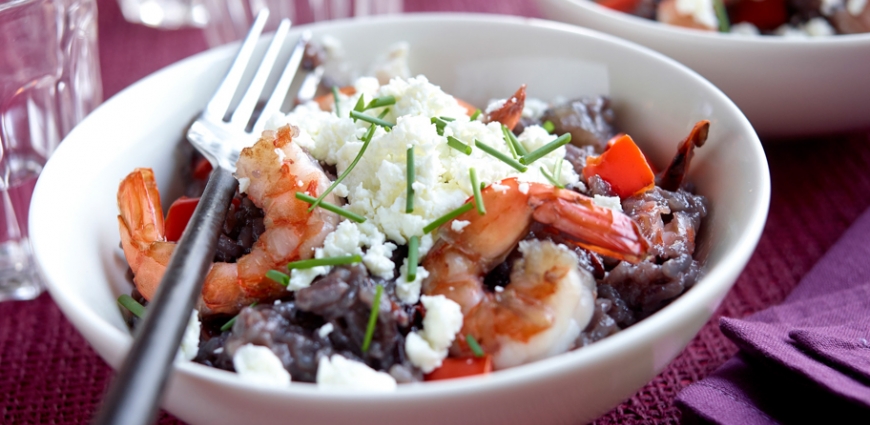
[(852, 19), (672, 178), (699, 15), (511, 111), (271, 172), (549, 299)]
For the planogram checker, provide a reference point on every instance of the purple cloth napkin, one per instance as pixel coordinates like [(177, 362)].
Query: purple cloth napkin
[(804, 361)]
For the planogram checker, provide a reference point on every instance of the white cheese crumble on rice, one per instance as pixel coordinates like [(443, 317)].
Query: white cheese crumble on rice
[(427, 348), (611, 202), (259, 364), (376, 189), (190, 340), (325, 330), (337, 372)]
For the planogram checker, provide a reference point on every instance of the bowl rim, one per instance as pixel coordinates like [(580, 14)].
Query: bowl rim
[(89, 323), (725, 39)]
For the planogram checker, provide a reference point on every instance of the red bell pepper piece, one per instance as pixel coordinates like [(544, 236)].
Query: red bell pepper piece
[(453, 367), (622, 165), (764, 14), (179, 214), (627, 6)]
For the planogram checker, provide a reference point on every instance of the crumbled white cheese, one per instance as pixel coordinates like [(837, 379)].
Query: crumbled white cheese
[(611, 202), (788, 31), (829, 6), (302, 278), (409, 292), (339, 372), (260, 364), (427, 348), (701, 11), (376, 189), (534, 108), (458, 225), (819, 27), (244, 182), (855, 7), (745, 28), (421, 354), (442, 321), (190, 340), (325, 330), (523, 188)]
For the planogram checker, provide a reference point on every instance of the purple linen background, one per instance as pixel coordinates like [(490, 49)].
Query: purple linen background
[(49, 374), (817, 339)]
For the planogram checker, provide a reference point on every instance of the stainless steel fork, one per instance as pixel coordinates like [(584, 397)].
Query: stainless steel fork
[(136, 391)]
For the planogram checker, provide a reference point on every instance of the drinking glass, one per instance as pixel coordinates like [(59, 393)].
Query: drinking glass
[(223, 21), (49, 80)]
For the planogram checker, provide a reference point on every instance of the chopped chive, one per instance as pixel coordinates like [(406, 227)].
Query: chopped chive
[(557, 173), (132, 305), (447, 217), (380, 102), (504, 158), (368, 118), (475, 115), (367, 138), (409, 202), (475, 185), (511, 139), (474, 346), (413, 252), (448, 119), (551, 178), (722, 15), (330, 207), (229, 324), (360, 104), (510, 145), (439, 125), (279, 278), (383, 114), (549, 126), (458, 145), (335, 98), (373, 318), (543, 150), (329, 261)]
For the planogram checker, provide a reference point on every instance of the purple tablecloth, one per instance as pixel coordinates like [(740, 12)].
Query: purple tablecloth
[(49, 374)]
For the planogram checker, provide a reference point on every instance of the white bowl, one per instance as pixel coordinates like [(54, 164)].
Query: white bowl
[(785, 86), (75, 232)]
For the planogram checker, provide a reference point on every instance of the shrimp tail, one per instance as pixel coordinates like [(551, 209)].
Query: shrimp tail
[(142, 233), (510, 113), (598, 229), (672, 178), (139, 205)]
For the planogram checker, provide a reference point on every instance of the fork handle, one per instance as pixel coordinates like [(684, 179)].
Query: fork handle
[(134, 395)]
